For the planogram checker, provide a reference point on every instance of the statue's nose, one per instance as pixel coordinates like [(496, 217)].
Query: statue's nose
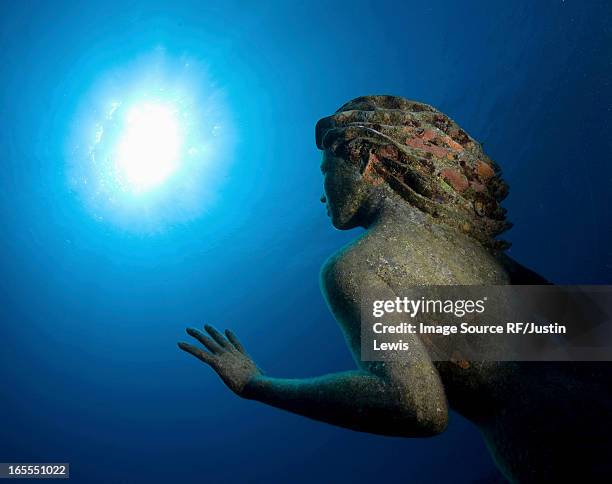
[(323, 199)]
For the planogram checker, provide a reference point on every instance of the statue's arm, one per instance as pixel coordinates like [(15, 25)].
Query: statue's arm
[(401, 398), (357, 400)]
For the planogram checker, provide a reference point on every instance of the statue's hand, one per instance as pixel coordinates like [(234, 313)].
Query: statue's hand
[(225, 355)]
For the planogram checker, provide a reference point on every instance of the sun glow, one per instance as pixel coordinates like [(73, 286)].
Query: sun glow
[(151, 143), (149, 150)]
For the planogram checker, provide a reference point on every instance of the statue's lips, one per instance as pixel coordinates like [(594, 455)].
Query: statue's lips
[(323, 199)]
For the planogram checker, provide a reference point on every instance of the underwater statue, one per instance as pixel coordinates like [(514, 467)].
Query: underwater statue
[(429, 199)]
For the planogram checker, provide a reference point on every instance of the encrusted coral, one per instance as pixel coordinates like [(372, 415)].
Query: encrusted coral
[(425, 157)]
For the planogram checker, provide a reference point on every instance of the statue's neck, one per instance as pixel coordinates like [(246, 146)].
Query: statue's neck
[(391, 211), (394, 218), (436, 243)]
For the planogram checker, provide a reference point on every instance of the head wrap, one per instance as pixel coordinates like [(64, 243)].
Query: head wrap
[(425, 157)]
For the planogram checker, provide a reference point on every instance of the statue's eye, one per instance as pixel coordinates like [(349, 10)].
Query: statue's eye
[(336, 148)]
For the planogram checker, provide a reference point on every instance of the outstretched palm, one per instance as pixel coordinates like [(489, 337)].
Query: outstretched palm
[(225, 355)]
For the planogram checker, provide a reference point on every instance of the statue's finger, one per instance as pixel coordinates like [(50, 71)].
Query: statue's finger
[(218, 337), (197, 352), (205, 340), (234, 340)]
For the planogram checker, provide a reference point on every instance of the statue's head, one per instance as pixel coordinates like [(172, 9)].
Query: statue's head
[(380, 146)]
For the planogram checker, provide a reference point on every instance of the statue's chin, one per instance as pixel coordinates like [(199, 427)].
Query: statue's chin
[(342, 224)]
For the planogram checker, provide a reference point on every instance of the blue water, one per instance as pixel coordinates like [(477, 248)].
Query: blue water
[(90, 311)]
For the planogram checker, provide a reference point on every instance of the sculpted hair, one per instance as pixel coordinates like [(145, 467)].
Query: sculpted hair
[(425, 157)]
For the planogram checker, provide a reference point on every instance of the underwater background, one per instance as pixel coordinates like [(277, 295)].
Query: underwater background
[(91, 310)]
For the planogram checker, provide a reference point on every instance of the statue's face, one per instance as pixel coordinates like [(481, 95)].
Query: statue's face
[(345, 191)]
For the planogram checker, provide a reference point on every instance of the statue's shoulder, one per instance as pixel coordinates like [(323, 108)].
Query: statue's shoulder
[(348, 268)]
